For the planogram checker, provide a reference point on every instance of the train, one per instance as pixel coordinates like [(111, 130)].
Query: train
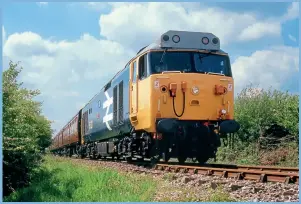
[(173, 99)]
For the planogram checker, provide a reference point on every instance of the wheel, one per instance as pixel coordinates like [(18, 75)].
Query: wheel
[(202, 159), (182, 154), (165, 156), (182, 159), (155, 160), (92, 155), (70, 153), (154, 154), (128, 159), (140, 159)]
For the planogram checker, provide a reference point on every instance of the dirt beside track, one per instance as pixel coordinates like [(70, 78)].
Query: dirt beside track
[(196, 187)]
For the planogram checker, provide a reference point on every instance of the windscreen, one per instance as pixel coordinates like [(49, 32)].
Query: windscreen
[(190, 62)]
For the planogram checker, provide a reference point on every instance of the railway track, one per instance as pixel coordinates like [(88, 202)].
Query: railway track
[(246, 172), (245, 167), (257, 173)]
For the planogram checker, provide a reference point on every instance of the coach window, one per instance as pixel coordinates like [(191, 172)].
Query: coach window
[(142, 67), (134, 72)]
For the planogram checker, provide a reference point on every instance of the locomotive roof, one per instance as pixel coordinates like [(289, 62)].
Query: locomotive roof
[(185, 40), (155, 46)]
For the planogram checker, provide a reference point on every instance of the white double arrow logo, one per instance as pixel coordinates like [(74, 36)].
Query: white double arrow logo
[(108, 116)]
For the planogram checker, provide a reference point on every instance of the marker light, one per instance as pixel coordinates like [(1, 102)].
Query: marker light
[(176, 38), (214, 40), (224, 111), (165, 37), (195, 90), (205, 40)]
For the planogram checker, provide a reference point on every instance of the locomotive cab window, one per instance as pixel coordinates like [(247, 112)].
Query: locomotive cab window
[(189, 62), (134, 76), (142, 67), (218, 64)]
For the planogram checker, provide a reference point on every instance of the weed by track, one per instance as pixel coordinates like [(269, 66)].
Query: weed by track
[(62, 180)]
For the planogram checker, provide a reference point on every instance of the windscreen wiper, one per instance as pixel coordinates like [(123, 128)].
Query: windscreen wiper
[(214, 73), (161, 61), (166, 72), (202, 55)]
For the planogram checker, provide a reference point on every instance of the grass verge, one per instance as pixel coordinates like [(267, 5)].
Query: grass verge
[(62, 180)]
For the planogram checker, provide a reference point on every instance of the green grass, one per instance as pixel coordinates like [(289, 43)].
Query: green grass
[(218, 195), (63, 180)]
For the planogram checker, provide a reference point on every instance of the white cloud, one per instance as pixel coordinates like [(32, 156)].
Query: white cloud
[(292, 38), (292, 12), (56, 68), (48, 61), (121, 23), (259, 30), (267, 68), (42, 3)]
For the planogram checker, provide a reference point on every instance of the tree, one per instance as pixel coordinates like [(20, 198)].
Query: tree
[(26, 133)]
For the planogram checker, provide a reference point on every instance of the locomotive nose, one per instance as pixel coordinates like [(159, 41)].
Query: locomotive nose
[(187, 96)]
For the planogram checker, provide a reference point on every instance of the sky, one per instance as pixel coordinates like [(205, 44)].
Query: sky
[(70, 50)]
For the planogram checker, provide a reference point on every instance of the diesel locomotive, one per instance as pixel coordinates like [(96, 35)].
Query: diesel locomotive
[(174, 99)]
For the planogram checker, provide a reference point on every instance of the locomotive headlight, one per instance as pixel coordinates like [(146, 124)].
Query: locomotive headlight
[(176, 38), (223, 111), (165, 37), (215, 40), (205, 40), (195, 90)]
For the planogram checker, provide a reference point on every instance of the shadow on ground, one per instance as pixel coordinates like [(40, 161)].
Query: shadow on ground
[(45, 186)]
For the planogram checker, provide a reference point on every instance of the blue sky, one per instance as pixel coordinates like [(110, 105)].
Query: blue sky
[(77, 18), (70, 50), (74, 19)]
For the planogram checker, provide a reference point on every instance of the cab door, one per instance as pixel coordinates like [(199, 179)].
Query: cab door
[(133, 91)]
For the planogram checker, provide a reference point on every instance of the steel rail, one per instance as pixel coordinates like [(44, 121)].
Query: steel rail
[(243, 167), (247, 174)]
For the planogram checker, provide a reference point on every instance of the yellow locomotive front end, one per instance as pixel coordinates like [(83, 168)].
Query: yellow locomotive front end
[(183, 95), (191, 96)]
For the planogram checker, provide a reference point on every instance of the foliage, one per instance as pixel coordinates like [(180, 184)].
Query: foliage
[(286, 154), (64, 180), (269, 132), (26, 133), (257, 110)]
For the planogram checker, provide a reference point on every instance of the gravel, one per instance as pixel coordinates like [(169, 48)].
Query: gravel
[(195, 187)]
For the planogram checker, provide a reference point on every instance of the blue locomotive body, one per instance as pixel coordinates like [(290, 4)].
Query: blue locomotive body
[(107, 113)]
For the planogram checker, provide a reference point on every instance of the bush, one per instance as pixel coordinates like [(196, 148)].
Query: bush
[(26, 133), (269, 130), (257, 110)]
